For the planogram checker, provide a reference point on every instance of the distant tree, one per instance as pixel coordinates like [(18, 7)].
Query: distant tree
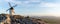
[(27, 17)]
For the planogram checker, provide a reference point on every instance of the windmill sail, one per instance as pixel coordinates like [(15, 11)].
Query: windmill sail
[(9, 4), (15, 5), (7, 10)]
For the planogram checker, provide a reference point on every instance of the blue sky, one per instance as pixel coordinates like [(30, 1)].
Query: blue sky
[(32, 7)]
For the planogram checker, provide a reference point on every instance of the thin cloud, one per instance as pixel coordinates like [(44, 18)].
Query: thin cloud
[(23, 1), (50, 5)]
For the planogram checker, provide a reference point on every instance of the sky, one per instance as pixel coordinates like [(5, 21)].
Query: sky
[(32, 7)]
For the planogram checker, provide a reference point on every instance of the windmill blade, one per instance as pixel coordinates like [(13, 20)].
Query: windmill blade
[(7, 10), (15, 5), (9, 4)]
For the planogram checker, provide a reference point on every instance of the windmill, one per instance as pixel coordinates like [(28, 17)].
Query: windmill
[(11, 9), (11, 12)]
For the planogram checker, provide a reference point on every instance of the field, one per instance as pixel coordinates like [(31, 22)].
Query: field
[(50, 19)]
